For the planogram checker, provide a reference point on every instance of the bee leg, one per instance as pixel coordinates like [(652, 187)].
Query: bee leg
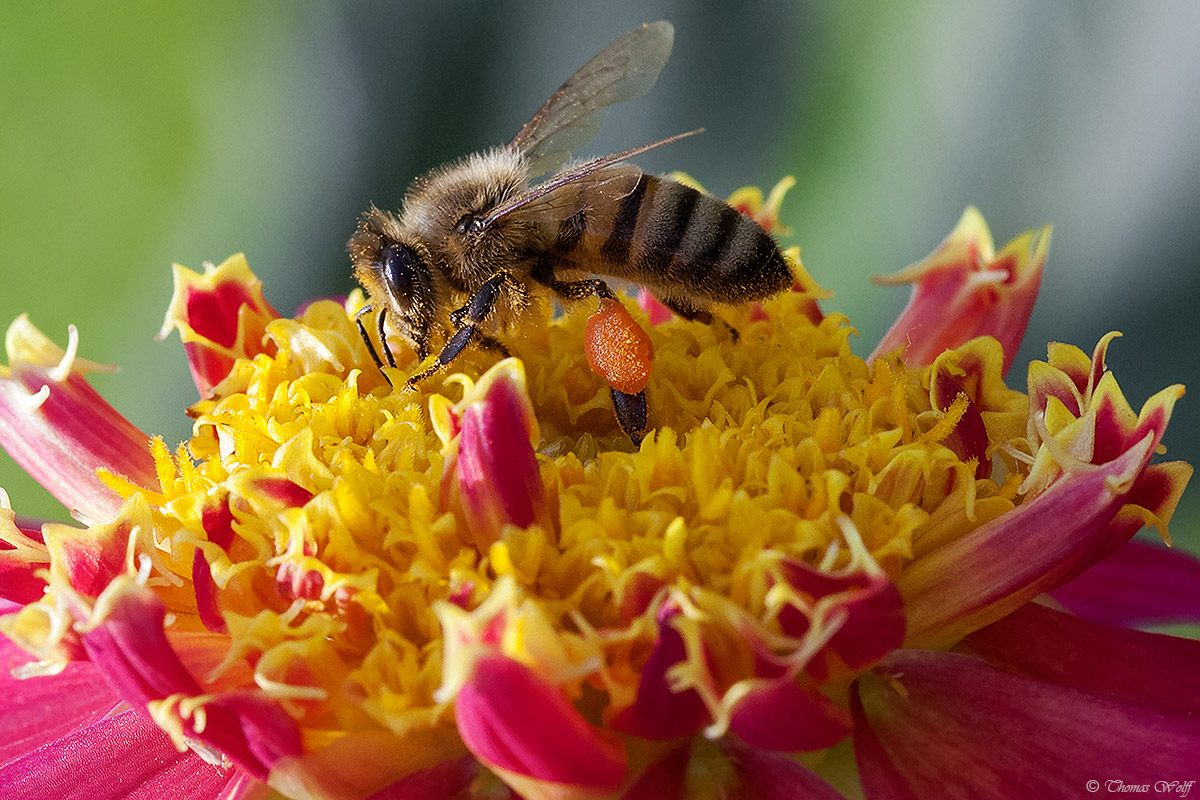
[(468, 318), (570, 290), (692, 313), (383, 342), (630, 409), (493, 344), (482, 340), (687, 310), (362, 331), (631, 414)]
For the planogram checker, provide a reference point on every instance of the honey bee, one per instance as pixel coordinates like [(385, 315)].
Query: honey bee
[(476, 243)]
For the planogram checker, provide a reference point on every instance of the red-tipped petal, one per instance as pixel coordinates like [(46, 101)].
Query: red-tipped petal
[(512, 720), (21, 555), (221, 316), (59, 429), (497, 472), (1003, 564), (875, 615), (1040, 642), (1140, 584), (786, 717), (963, 290), (945, 725), (131, 650), (123, 757), (969, 439), (90, 559), (658, 712), (206, 594)]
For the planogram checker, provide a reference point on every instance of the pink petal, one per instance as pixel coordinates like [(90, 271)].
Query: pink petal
[(969, 439), (217, 520), (773, 776), (656, 312), (658, 712), (497, 471), (1140, 584), (90, 559), (221, 316), (786, 717), (448, 780), (117, 758), (1003, 564), (512, 720), (747, 774), (21, 555), (663, 779), (131, 650), (963, 290), (251, 730), (1151, 501), (1040, 642), (37, 710), (945, 725), (875, 620), (56, 426)]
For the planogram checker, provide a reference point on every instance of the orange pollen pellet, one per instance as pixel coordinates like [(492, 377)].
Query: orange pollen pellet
[(617, 348)]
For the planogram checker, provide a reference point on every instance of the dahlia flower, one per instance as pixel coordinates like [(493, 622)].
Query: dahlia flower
[(818, 576)]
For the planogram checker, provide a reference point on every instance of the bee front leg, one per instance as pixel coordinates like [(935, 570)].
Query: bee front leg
[(467, 319), (481, 339), (362, 331)]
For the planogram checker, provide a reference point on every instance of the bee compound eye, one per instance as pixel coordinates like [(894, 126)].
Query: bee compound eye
[(399, 267)]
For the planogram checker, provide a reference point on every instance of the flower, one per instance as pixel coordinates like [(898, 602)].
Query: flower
[(817, 576)]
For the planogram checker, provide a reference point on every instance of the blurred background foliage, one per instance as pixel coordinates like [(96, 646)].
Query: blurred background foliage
[(189, 131)]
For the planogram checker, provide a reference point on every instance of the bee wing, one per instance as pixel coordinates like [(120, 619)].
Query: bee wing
[(602, 187), (606, 175), (625, 69)]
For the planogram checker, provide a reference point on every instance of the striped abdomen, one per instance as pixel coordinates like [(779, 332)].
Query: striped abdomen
[(682, 244)]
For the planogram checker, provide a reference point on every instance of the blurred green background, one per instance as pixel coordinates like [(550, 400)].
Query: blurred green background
[(187, 132)]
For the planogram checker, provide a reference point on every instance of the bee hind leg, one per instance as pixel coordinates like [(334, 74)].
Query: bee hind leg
[(630, 409), (631, 414)]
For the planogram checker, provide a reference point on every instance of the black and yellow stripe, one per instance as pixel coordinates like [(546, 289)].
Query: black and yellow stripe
[(677, 240)]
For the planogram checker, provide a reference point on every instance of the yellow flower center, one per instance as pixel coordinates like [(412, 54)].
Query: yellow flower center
[(770, 442)]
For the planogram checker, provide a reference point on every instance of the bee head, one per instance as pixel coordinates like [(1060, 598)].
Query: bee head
[(389, 267), (394, 269)]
